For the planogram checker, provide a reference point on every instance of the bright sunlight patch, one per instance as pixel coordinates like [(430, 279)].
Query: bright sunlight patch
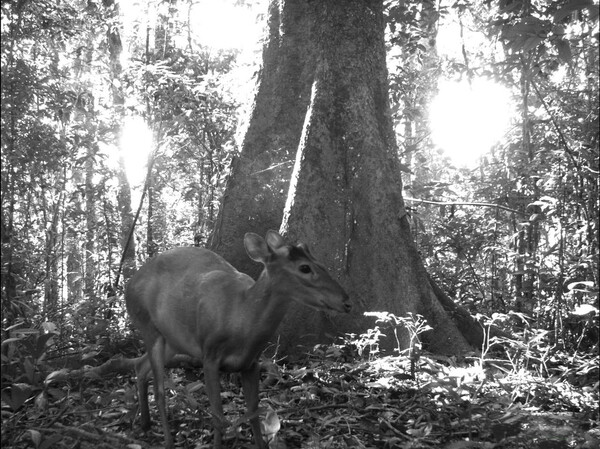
[(136, 145), (223, 24), (467, 120)]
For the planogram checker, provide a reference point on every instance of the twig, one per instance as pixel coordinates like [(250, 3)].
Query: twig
[(466, 203)]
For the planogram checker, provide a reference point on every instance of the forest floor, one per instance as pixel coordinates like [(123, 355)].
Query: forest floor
[(332, 400)]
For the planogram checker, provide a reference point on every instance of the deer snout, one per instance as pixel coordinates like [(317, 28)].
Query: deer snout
[(340, 302), (346, 304)]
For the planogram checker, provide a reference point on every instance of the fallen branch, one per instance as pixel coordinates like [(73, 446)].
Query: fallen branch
[(117, 365)]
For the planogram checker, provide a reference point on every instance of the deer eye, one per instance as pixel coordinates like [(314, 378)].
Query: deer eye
[(304, 269)]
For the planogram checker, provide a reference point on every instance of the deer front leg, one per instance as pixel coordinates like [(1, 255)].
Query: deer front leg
[(250, 381), (213, 391)]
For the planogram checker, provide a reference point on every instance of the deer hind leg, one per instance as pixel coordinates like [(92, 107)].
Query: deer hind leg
[(142, 370), (159, 354)]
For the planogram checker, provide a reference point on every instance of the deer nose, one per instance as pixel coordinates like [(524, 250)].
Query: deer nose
[(347, 304)]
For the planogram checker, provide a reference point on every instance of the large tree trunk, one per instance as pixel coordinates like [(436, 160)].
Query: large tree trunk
[(255, 193), (346, 191), (345, 195)]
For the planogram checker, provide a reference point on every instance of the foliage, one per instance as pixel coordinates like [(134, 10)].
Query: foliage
[(65, 93), (336, 398), (23, 364), (64, 96), (195, 117), (520, 232), (414, 325)]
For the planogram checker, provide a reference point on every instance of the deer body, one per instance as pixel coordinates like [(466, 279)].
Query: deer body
[(191, 301)]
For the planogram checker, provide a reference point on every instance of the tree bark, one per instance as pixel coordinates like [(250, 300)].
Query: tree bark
[(345, 196), (255, 193), (346, 190)]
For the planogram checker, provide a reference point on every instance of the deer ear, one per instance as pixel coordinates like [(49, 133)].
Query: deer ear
[(304, 246), (256, 247), (274, 240)]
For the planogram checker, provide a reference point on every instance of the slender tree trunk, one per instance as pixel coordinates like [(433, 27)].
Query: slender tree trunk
[(528, 233), (150, 245), (51, 213), (200, 228), (115, 48), (126, 213), (90, 228), (10, 272), (73, 237)]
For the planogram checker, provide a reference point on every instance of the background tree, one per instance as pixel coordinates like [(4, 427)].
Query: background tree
[(473, 251)]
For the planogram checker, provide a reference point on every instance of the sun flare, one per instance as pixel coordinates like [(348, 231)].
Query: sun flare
[(136, 144), (467, 120), (224, 25)]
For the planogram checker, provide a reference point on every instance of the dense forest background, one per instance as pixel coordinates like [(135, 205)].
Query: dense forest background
[(93, 92)]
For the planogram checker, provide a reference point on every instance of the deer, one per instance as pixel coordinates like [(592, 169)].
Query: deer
[(191, 301)]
